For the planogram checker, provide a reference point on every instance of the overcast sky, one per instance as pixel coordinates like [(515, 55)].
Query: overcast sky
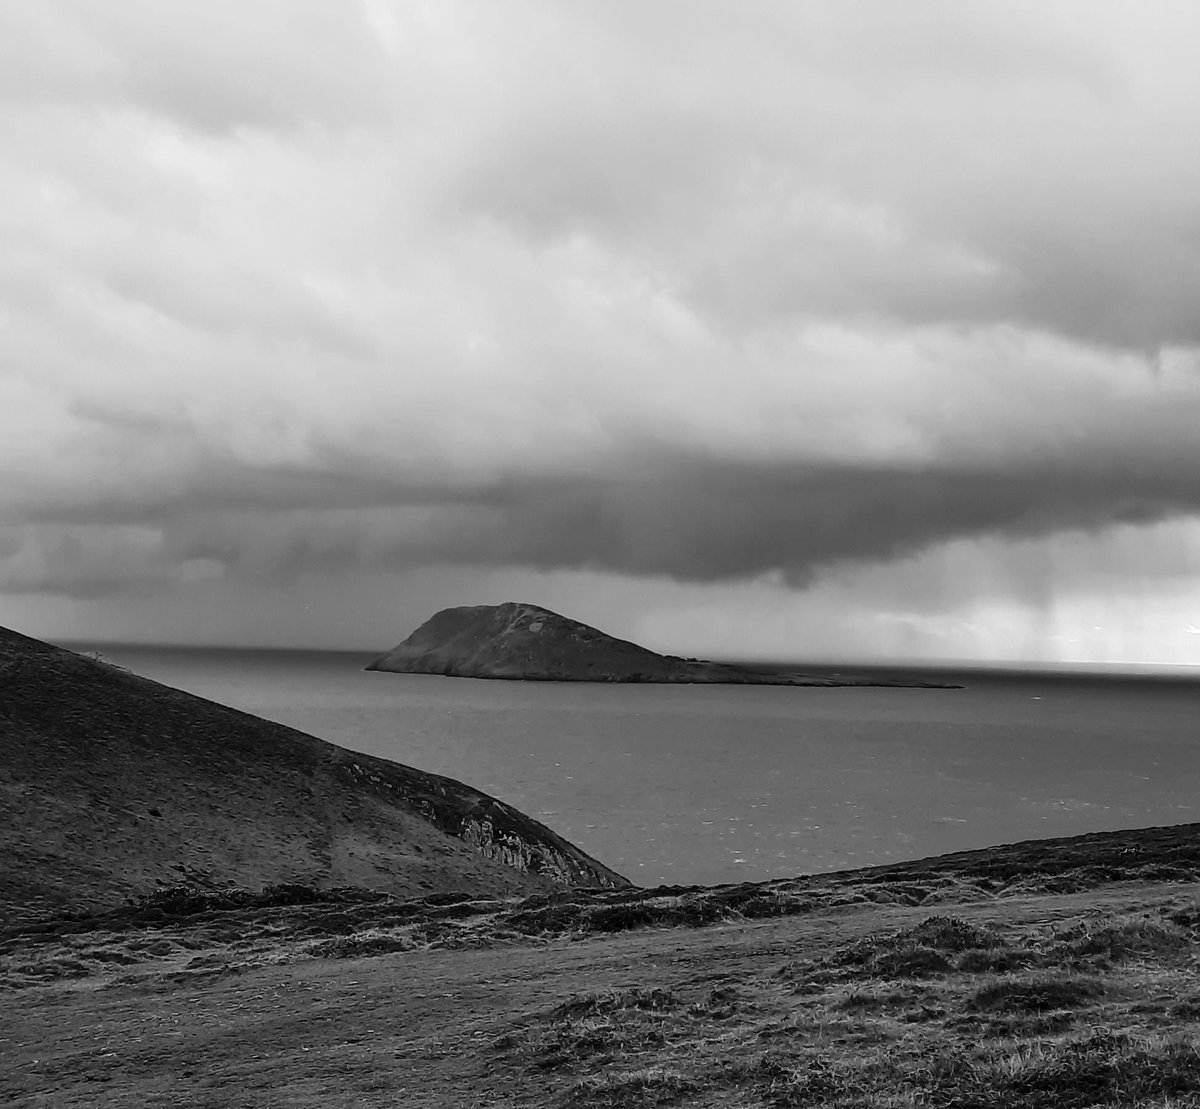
[(853, 329)]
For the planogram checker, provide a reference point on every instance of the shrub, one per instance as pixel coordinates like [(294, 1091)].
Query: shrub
[(770, 905), (596, 1004), (1124, 939), (621, 918), (187, 901), (993, 960), (288, 893), (919, 951), (357, 947), (913, 961), (865, 1001), (1037, 993), (446, 897), (949, 933), (553, 918), (719, 1004)]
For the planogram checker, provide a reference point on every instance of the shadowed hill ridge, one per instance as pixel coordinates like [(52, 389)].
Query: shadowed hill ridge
[(112, 785), (523, 641)]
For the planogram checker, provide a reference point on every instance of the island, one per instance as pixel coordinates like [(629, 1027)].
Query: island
[(519, 641)]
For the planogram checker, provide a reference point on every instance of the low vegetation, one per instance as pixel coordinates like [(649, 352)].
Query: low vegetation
[(872, 989), (915, 1016), (295, 921)]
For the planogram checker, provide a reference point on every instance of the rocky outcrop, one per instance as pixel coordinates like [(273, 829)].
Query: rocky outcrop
[(113, 786), (496, 830), (523, 641)]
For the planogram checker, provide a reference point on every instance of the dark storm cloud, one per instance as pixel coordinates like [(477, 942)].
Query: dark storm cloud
[(696, 520), (685, 290)]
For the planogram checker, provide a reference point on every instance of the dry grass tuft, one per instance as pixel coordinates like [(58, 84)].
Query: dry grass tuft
[(629, 1088), (612, 1001)]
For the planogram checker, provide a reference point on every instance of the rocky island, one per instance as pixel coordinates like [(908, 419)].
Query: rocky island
[(518, 641)]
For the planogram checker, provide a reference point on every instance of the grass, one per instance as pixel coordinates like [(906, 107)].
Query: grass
[(1099, 1069), (599, 1004), (630, 1088), (1114, 941), (1056, 1001), (907, 1017)]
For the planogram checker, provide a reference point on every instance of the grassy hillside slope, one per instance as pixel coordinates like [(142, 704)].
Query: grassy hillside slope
[(112, 786)]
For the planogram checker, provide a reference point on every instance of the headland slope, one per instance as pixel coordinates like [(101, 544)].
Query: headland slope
[(113, 786)]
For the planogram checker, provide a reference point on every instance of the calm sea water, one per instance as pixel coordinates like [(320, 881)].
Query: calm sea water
[(718, 784)]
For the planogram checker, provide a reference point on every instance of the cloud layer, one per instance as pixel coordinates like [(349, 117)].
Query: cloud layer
[(679, 291)]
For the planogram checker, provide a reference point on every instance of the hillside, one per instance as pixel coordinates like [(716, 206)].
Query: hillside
[(113, 786), (526, 642)]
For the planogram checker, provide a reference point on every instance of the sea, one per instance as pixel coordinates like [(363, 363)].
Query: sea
[(688, 784)]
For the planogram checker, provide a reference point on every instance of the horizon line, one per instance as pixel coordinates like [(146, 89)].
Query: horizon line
[(1066, 666)]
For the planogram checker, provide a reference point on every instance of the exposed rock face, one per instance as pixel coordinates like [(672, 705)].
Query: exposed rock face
[(112, 785), (523, 641)]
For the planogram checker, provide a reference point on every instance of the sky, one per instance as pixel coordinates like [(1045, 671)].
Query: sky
[(771, 329)]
